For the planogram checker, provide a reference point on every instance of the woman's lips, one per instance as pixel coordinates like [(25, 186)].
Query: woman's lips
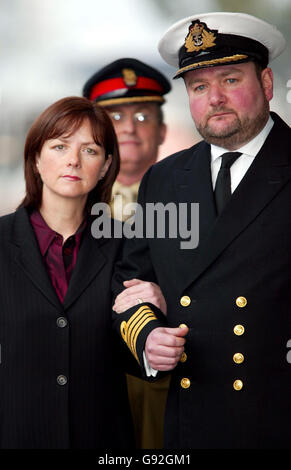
[(71, 178)]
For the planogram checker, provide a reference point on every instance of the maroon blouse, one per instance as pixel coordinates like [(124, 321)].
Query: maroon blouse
[(59, 258)]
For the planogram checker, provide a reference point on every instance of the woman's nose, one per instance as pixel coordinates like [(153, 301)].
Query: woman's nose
[(74, 158)]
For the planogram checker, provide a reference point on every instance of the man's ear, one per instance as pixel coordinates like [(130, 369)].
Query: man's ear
[(163, 132), (267, 82)]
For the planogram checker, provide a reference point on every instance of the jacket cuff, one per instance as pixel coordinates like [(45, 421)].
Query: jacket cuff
[(135, 326)]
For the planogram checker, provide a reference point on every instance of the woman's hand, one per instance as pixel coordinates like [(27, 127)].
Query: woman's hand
[(138, 291)]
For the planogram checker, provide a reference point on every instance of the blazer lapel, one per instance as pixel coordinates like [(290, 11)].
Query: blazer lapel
[(91, 259), (193, 183), (29, 258), (268, 174)]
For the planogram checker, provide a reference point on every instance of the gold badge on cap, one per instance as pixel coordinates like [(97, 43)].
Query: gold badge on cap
[(129, 77), (199, 37)]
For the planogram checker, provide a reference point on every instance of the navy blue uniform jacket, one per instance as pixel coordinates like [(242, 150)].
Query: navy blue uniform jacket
[(233, 292)]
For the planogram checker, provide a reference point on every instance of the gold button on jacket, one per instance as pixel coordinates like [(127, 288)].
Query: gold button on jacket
[(183, 357), (238, 385), (241, 301), (238, 358), (185, 301), (185, 383), (238, 330)]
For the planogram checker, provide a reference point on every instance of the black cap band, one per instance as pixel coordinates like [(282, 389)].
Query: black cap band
[(226, 49)]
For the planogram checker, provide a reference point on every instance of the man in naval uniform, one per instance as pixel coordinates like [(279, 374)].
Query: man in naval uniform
[(133, 92), (231, 296)]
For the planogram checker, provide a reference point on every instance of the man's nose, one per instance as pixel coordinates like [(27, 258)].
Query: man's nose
[(129, 124), (216, 95)]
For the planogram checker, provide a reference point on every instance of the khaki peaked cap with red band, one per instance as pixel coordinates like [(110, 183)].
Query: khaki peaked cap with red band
[(126, 81), (221, 38)]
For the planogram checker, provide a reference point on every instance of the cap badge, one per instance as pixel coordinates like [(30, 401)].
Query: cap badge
[(199, 37), (129, 77)]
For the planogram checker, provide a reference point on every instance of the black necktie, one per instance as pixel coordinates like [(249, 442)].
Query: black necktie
[(222, 188)]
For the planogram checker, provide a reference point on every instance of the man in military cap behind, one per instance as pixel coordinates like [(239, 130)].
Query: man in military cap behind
[(231, 296), (133, 92)]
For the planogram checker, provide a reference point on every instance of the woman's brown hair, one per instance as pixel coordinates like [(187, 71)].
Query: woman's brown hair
[(63, 118)]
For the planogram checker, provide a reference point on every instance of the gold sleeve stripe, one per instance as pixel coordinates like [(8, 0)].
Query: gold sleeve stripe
[(138, 314), (139, 330), (131, 329), (133, 325), (133, 335)]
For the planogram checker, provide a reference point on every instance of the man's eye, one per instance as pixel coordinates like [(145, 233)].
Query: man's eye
[(141, 117), (116, 116), (199, 88), (231, 80)]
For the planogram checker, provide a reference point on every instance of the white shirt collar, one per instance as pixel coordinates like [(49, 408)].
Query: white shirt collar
[(252, 148)]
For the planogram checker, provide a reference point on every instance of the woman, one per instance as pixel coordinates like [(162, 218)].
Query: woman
[(62, 384)]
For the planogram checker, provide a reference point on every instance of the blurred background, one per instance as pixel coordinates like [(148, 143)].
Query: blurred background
[(49, 48)]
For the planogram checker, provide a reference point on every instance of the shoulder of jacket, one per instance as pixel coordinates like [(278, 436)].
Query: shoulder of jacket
[(6, 227), (178, 158), (7, 220)]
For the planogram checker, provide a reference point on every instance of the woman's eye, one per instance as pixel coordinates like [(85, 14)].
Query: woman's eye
[(59, 147), (90, 151)]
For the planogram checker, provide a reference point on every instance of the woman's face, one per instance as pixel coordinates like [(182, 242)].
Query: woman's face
[(71, 166)]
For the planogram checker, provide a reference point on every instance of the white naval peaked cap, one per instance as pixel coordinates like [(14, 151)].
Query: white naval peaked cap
[(220, 38)]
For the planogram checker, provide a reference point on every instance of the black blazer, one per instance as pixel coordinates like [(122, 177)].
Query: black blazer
[(43, 339), (245, 252)]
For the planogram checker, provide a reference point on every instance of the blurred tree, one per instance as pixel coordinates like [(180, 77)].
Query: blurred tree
[(176, 10), (266, 9)]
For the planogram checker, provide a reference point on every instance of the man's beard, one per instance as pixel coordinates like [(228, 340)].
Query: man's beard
[(236, 134)]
